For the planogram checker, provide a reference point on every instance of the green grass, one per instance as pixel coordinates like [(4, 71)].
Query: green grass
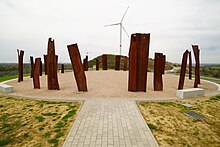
[(5, 78), (152, 126), (39, 118), (21, 127)]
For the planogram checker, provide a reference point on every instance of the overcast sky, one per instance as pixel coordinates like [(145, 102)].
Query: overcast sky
[(173, 24)]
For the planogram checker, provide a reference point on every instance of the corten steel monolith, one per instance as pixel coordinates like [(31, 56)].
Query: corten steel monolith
[(32, 66), (97, 64), (52, 61), (183, 70), (158, 71), (77, 67), (138, 62), (104, 62), (197, 68), (190, 65), (163, 63), (125, 63), (117, 62), (45, 64), (36, 76), (20, 64), (41, 68), (62, 68)]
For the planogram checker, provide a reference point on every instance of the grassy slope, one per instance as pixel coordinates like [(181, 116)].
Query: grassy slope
[(5, 78), (111, 63), (35, 123), (171, 127)]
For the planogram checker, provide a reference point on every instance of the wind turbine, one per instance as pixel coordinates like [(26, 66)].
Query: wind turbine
[(121, 27)]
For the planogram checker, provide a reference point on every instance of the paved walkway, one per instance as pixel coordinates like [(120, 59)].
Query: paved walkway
[(108, 123)]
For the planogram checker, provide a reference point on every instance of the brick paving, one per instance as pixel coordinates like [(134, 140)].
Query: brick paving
[(110, 123)]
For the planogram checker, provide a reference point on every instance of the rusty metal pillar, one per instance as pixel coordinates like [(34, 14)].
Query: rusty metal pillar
[(36, 78), (20, 64), (197, 68), (77, 67), (125, 63), (62, 68), (45, 64), (190, 65), (117, 62), (183, 70), (138, 62), (158, 71), (97, 64), (52, 61), (32, 66), (163, 63), (41, 68), (104, 62)]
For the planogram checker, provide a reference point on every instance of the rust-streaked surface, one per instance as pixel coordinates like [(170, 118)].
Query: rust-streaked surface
[(36, 76), (117, 62), (163, 63), (183, 70), (190, 65), (45, 64), (104, 62), (138, 62), (41, 68), (97, 64), (77, 67), (20, 64), (125, 63), (62, 68), (52, 61), (158, 71), (197, 68), (32, 66)]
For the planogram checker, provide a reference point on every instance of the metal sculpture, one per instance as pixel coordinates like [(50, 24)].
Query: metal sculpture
[(20, 64), (163, 63), (45, 64), (77, 67), (159, 62), (117, 62), (62, 68), (125, 63), (32, 66), (104, 62), (138, 62), (41, 68), (97, 64), (190, 65), (52, 61), (183, 70), (85, 64), (197, 68), (36, 78)]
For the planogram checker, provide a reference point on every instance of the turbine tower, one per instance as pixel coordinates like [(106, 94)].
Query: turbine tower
[(121, 27)]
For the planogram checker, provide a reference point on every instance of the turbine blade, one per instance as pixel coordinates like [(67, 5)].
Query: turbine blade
[(125, 30), (114, 24), (124, 14)]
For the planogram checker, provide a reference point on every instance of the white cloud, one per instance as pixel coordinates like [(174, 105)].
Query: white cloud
[(174, 26)]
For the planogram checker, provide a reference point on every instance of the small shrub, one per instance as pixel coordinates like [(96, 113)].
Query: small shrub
[(59, 135), (39, 118), (54, 140), (5, 141), (46, 134), (41, 128), (152, 126), (59, 125), (69, 114), (49, 114)]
